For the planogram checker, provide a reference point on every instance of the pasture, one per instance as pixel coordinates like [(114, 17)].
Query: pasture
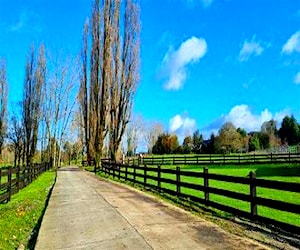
[(284, 172)]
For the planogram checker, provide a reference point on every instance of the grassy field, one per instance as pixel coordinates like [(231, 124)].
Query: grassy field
[(282, 172), (21, 217)]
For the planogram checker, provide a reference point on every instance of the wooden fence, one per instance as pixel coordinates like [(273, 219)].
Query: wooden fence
[(209, 159), (151, 177), (14, 179)]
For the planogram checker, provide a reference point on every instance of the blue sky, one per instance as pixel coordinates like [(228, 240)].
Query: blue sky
[(203, 62)]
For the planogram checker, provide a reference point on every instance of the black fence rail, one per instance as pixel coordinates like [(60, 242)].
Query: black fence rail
[(14, 179), (210, 159), (155, 178)]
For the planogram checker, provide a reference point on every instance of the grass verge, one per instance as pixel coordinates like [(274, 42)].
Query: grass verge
[(20, 219)]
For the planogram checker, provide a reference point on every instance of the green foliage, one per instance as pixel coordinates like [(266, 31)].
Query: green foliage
[(289, 131), (20, 218), (242, 132), (197, 142), (187, 145), (254, 142), (166, 144), (229, 140), (264, 140)]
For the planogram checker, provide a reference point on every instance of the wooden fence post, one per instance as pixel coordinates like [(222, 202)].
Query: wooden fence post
[(206, 186), (9, 172), (134, 173), (119, 171), (126, 172), (18, 178), (178, 180), (253, 194), (24, 177), (145, 176), (113, 169), (158, 178), (271, 157), (95, 167)]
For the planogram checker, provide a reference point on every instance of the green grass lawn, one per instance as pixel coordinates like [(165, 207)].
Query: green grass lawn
[(21, 217), (280, 172)]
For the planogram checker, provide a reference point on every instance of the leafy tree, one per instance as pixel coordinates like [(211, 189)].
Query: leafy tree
[(197, 142), (187, 145), (269, 134), (159, 147), (254, 142), (172, 144), (264, 140), (289, 131), (209, 146), (166, 144), (269, 127), (242, 132), (229, 140)]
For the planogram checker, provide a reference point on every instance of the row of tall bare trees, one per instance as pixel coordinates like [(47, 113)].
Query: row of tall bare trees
[(41, 120), (51, 94), (109, 79)]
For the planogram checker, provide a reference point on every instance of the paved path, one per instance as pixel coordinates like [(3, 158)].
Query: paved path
[(87, 213)]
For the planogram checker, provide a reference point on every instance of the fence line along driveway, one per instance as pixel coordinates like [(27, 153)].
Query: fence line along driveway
[(87, 213), (217, 159)]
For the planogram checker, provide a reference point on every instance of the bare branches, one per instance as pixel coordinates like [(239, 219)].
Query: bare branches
[(32, 100), (3, 102), (114, 66), (125, 77)]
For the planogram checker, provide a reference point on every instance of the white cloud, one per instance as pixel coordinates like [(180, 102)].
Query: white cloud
[(297, 78), (182, 126), (28, 21), (178, 122), (175, 62), (241, 116), (249, 49), (293, 44)]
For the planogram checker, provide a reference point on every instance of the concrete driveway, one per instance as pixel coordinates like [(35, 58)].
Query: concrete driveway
[(87, 213)]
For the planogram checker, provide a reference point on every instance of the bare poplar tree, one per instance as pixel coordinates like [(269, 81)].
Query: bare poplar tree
[(83, 91), (3, 102), (133, 134), (114, 61), (151, 132), (125, 70), (16, 137), (35, 78), (59, 105)]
